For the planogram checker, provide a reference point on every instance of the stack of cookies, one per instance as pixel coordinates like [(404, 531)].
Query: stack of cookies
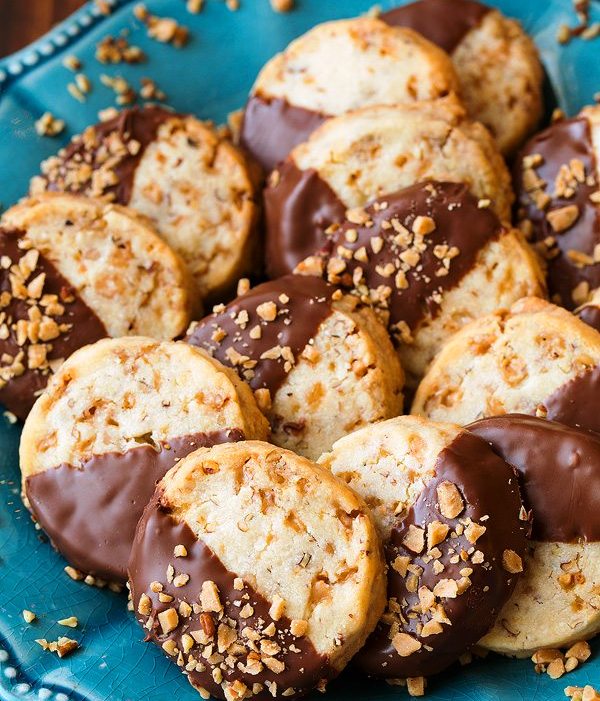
[(385, 451)]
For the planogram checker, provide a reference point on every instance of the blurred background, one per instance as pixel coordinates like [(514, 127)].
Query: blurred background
[(22, 21)]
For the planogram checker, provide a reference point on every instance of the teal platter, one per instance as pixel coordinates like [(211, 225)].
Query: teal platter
[(210, 77)]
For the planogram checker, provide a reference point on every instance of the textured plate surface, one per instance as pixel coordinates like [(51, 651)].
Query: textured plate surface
[(210, 78)]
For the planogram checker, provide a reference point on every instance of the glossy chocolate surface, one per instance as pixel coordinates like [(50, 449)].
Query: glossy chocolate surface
[(91, 511)]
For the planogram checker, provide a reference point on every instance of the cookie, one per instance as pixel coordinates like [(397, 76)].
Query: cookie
[(320, 365), (193, 184), (74, 270), (590, 311), (558, 198), (497, 64), (450, 514), (535, 359), (114, 418), (430, 258), (557, 601), (362, 157), (258, 572), (336, 67)]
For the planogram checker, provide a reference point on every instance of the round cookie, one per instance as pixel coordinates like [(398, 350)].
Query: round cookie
[(193, 184), (590, 311), (535, 359), (336, 67), (557, 601), (430, 259), (558, 196), (497, 64), (450, 514), (321, 366), (74, 270), (365, 155), (114, 418), (272, 570)]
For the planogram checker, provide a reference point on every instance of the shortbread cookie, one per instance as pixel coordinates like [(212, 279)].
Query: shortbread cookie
[(336, 67), (557, 601), (189, 180), (558, 191), (590, 311), (365, 155), (320, 365), (115, 417), (430, 258), (450, 514), (74, 270), (535, 359), (258, 571), (497, 64)]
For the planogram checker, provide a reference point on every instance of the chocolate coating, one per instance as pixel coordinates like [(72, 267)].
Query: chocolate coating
[(489, 488), (443, 22), (156, 538), (460, 225), (298, 320), (560, 473), (590, 314), (576, 402), (558, 146), (110, 138), (78, 324), (272, 127), (299, 207), (90, 511)]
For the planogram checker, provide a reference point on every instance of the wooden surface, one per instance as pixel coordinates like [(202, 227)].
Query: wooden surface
[(22, 21)]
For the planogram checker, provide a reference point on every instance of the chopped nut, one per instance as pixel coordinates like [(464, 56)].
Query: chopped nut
[(29, 616), (405, 644), (446, 589), (70, 622), (416, 686), (169, 620), (512, 562), (449, 498), (145, 605), (73, 573), (474, 531), (180, 551), (423, 225), (563, 218), (414, 540), (556, 668), (267, 311), (48, 125), (436, 533), (209, 597), (581, 651)]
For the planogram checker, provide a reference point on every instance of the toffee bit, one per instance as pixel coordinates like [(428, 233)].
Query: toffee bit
[(512, 562), (282, 5)]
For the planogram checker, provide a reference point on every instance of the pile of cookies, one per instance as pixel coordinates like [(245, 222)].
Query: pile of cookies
[(384, 451)]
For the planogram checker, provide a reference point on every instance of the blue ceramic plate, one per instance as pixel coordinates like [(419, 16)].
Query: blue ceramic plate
[(210, 78)]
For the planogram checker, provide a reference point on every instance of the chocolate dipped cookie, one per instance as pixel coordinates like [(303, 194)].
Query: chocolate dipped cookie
[(429, 259), (450, 515), (115, 417), (497, 64), (556, 602), (320, 364), (190, 181), (535, 359), (74, 270), (558, 198), (366, 155), (257, 571), (336, 67)]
